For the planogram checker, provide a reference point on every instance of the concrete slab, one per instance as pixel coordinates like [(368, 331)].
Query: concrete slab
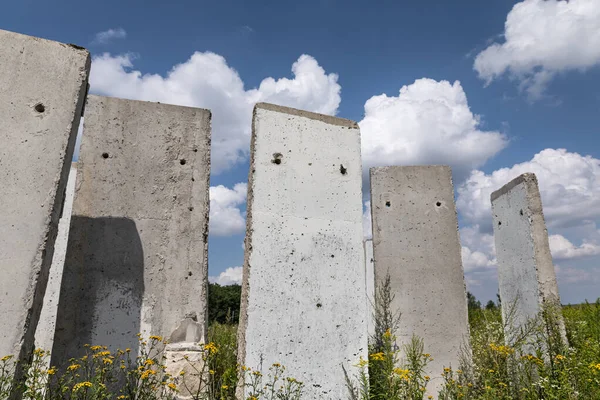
[(526, 275), (415, 240), (303, 291), (42, 91), (44, 334), (370, 282), (137, 252)]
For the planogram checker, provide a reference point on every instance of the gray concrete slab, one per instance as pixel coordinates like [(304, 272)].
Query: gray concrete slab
[(370, 282), (303, 291), (137, 253), (44, 334), (526, 275), (415, 240), (42, 91)]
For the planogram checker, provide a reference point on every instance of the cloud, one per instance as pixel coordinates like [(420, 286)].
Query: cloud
[(206, 81), (563, 249), (541, 39), (569, 185), (367, 222), (226, 218), (577, 275), (231, 276), (107, 36), (478, 250), (429, 122)]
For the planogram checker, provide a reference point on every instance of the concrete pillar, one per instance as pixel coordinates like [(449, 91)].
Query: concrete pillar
[(42, 91), (415, 240), (44, 334), (137, 252), (303, 291), (370, 282), (526, 275)]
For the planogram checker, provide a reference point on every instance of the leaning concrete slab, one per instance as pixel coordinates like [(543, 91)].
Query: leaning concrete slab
[(370, 282), (526, 275), (415, 241), (303, 292), (44, 334), (137, 253), (42, 91)]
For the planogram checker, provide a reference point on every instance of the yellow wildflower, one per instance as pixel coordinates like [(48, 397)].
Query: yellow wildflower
[(6, 358), (107, 361), (52, 371), (427, 377), (362, 362), (172, 386), (73, 367), (82, 385), (149, 362), (95, 348), (158, 338), (377, 356), (224, 387)]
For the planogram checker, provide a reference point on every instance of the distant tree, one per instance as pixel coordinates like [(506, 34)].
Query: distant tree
[(499, 299), (224, 303), (490, 305), (472, 302)]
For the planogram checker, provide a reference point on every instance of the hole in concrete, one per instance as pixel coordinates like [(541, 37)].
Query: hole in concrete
[(182, 161), (277, 158), (195, 150), (521, 212), (39, 107), (439, 204), (190, 273), (499, 223), (104, 155), (319, 305), (387, 204), (332, 256), (191, 208), (343, 170)]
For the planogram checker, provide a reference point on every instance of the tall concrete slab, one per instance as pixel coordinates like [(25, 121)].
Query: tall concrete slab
[(137, 252), (370, 282), (415, 241), (42, 91), (526, 275), (303, 291), (44, 334)]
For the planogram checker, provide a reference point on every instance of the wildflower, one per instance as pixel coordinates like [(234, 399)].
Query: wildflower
[(146, 374), (6, 358), (211, 347), (121, 397), (401, 372), (149, 362), (447, 370), (224, 387), (73, 367), (95, 348), (182, 373), (104, 353), (212, 371), (128, 350), (430, 397), (172, 386), (256, 373), (387, 334), (244, 368), (81, 385), (362, 362), (157, 338), (107, 361), (427, 377), (377, 356), (277, 365), (52, 371)]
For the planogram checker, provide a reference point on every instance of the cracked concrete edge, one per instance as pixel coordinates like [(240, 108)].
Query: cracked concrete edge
[(328, 119), (528, 177)]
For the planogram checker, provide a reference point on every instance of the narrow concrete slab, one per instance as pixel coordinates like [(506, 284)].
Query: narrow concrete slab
[(137, 253), (42, 91), (526, 275), (370, 281), (303, 293), (415, 241), (44, 334)]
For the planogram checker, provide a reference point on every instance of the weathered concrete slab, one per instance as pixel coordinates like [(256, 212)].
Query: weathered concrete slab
[(42, 90), (137, 253), (415, 240), (304, 294), (526, 275), (370, 282), (44, 334)]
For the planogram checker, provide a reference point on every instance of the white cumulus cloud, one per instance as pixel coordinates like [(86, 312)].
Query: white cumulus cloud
[(226, 218), (108, 35), (206, 81), (563, 249), (569, 186), (429, 122), (231, 276), (541, 39)]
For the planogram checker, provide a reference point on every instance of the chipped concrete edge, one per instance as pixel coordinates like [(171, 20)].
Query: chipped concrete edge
[(96, 97), (328, 119), (526, 177), (243, 321)]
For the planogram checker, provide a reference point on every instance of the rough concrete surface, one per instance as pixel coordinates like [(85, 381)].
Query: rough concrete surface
[(303, 292), (42, 90), (415, 240), (137, 253), (44, 334), (526, 275), (370, 282)]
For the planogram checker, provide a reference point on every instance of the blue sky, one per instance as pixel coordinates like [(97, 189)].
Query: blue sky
[(497, 87)]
